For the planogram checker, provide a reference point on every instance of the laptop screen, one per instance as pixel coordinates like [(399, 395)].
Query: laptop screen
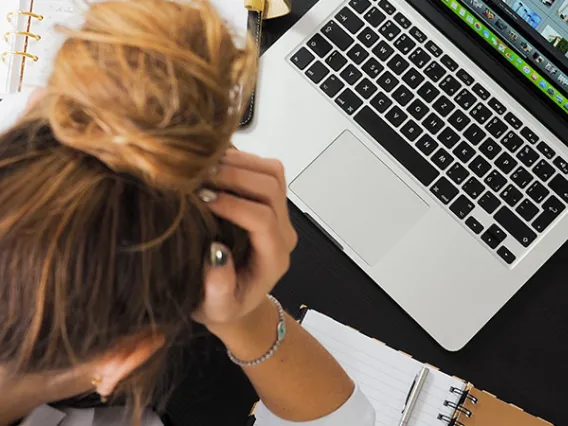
[(532, 35)]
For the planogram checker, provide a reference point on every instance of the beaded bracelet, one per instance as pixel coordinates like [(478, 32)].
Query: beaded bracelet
[(280, 335)]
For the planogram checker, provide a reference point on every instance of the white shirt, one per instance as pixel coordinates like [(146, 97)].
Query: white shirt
[(356, 411)]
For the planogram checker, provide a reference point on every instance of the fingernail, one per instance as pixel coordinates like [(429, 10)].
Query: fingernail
[(218, 255), (207, 196), (214, 171)]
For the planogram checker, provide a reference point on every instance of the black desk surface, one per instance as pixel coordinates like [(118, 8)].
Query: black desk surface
[(520, 356)]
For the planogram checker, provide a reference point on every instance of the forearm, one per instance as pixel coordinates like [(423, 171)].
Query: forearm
[(302, 381)]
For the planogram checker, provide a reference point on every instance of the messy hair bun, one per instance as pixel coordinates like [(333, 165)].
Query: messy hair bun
[(151, 91)]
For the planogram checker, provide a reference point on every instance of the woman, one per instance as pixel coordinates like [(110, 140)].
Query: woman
[(126, 220)]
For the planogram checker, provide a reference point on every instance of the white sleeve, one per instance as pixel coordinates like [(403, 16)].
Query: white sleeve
[(357, 410), (11, 108)]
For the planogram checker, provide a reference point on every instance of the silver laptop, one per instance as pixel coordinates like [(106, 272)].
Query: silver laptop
[(437, 182)]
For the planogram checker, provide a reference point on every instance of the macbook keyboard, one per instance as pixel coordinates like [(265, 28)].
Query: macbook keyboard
[(447, 130)]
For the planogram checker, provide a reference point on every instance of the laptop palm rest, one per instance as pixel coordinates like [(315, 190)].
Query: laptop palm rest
[(359, 197)]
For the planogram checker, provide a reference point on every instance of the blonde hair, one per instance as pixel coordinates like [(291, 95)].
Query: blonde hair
[(101, 233)]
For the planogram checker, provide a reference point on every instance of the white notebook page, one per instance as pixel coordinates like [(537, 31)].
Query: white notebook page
[(383, 374)]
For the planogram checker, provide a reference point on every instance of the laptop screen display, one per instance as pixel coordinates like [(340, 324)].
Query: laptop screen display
[(531, 34)]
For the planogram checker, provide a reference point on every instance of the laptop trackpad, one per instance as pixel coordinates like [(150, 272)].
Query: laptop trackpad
[(359, 197)]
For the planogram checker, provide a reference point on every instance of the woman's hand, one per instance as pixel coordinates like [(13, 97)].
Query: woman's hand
[(260, 208)]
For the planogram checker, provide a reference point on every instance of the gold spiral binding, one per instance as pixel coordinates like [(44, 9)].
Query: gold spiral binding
[(23, 54), (10, 15), (21, 33)]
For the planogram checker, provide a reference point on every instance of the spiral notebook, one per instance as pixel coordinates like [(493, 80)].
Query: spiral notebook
[(385, 376)]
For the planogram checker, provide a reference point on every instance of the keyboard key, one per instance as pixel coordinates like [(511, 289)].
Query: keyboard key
[(448, 137), (428, 92), (411, 130), (495, 180), (474, 134), (465, 77), (365, 88), (402, 20), (317, 72), (398, 64), (462, 207), (490, 148), (419, 57), (413, 78), (512, 142), (473, 188), (459, 120), (442, 159), (332, 85), (529, 135), (351, 75), (372, 68), (545, 150), (511, 195), (497, 106), (527, 156), (402, 95), (374, 17), (433, 123), (427, 145), (336, 60), (387, 6), (538, 192), (404, 44), (514, 226), (444, 190), (496, 127), (381, 102), (349, 20), (368, 37), (396, 116), (396, 146), (435, 71), (490, 240), (357, 54), (481, 91), (560, 186), (383, 51), (479, 166), (434, 49), (418, 109), (506, 255), (527, 210), (449, 63), (458, 173), (489, 202), (348, 101), (561, 164), (418, 35), (465, 99), (481, 113), (497, 233), (443, 106), (319, 45), (387, 81), (464, 152), (513, 121), (506, 163), (521, 177), (450, 85), (474, 225), (543, 170), (302, 58), (389, 30), (337, 35), (360, 6), (551, 210)]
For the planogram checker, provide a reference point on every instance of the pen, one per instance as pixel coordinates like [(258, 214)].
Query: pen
[(412, 396)]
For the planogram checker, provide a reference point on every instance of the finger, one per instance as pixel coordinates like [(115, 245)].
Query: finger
[(257, 164)]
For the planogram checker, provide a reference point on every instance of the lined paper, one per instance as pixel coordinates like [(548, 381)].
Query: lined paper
[(383, 374)]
